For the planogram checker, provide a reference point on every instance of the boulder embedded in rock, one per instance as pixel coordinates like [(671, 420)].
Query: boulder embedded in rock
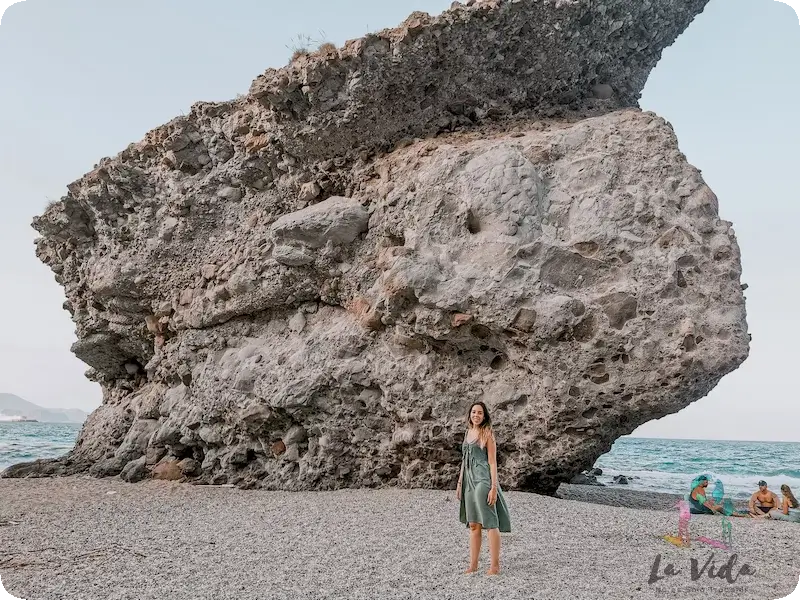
[(335, 220), (189, 467), (168, 470), (135, 470)]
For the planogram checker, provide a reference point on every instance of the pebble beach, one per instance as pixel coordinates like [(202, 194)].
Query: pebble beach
[(87, 539)]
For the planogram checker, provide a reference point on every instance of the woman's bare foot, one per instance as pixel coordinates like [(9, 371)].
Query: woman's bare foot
[(471, 570), (493, 571)]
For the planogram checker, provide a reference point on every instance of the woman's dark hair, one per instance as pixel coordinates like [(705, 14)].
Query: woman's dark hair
[(487, 420), (485, 428), (787, 491)]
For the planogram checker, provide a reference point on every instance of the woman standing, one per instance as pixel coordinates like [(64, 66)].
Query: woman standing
[(482, 503)]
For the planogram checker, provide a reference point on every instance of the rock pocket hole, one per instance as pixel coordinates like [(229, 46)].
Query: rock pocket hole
[(686, 261), (480, 331), (587, 248), (597, 369), (574, 430), (473, 223), (518, 406), (585, 330), (397, 239), (689, 343), (499, 362)]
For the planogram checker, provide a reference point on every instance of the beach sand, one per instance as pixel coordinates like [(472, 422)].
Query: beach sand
[(84, 538)]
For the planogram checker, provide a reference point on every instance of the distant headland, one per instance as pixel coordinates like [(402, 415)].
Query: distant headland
[(17, 410)]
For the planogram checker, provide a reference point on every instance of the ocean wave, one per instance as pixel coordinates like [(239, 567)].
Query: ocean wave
[(795, 473)]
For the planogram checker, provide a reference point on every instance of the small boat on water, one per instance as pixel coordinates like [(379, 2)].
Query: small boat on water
[(15, 419)]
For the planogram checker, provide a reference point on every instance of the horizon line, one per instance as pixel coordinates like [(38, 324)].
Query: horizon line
[(642, 437)]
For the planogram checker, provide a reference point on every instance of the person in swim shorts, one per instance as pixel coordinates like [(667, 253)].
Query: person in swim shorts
[(763, 501)]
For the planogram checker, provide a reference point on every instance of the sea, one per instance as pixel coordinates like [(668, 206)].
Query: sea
[(23, 442), (656, 465), (660, 465)]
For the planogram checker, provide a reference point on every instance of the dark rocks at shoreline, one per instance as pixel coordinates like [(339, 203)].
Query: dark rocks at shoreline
[(585, 478)]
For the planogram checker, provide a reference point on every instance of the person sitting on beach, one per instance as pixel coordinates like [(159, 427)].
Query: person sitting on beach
[(762, 501), (700, 502), (789, 509)]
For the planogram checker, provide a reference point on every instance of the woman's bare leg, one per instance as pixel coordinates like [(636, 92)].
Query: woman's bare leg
[(494, 551), (474, 547)]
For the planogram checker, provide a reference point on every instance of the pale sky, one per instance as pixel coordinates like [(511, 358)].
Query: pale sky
[(82, 79)]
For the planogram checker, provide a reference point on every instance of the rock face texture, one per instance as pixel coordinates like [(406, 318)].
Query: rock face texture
[(307, 288)]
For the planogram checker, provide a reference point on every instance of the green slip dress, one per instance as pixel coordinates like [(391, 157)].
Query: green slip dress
[(475, 485)]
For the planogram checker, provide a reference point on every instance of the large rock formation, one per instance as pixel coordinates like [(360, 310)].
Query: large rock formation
[(307, 287)]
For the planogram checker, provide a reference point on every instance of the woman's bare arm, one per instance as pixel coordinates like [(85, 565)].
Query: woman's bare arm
[(461, 472), (460, 477), (491, 448)]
